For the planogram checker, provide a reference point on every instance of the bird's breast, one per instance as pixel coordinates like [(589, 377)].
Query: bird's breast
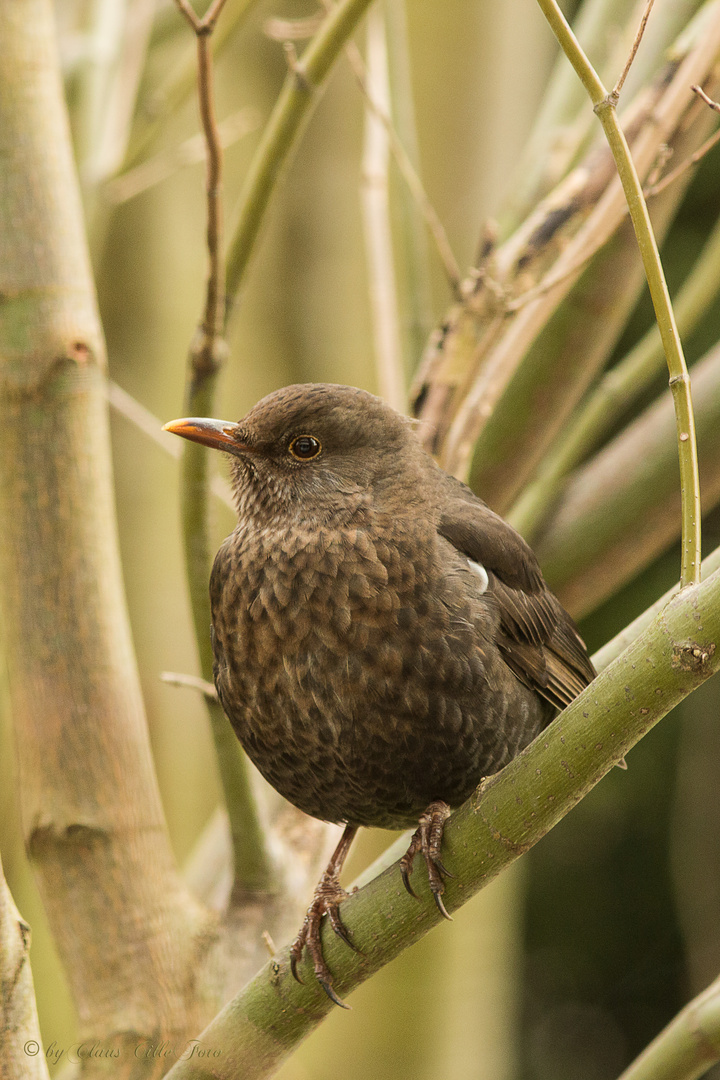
[(357, 668)]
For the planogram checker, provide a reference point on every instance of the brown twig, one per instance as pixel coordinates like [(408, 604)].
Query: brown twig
[(635, 46), (204, 26), (212, 323), (708, 100)]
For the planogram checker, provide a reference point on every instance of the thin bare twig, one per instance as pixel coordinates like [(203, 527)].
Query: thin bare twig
[(193, 682), (202, 26), (708, 100), (688, 163), (615, 94), (204, 359)]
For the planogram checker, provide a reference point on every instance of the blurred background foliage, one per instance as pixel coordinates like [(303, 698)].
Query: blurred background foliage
[(571, 963)]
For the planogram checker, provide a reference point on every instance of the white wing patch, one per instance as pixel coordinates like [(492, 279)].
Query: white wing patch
[(481, 573)]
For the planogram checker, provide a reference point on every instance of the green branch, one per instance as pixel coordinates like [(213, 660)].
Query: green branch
[(604, 105), (687, 1047), (612, 649), (299, 93), (507, 815)]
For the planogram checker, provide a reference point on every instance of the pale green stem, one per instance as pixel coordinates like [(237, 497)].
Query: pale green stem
[(103, 35), (617, 390), (612, 649), (299, 93), (375, 201), (687, 1047), (605, 107), (253, 870)]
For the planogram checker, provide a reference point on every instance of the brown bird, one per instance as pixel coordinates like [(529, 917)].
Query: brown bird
[(382, 639)]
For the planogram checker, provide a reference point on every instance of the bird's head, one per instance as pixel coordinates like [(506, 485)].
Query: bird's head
[(320, 447)]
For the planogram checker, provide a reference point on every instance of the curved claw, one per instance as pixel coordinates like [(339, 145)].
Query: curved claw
[(327, 987), (443, 869), (340, 929), (405, 873), (440, 906), (293, 968)]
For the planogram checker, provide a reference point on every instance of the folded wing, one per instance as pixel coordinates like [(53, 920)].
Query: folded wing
[(538, 639)]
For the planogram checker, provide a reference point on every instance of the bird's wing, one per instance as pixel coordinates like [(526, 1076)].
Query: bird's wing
[(537, 637)]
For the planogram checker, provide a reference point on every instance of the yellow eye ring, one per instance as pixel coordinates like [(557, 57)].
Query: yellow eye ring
[(305, 447)]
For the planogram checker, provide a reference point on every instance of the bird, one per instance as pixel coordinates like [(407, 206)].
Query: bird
[(382, 639)]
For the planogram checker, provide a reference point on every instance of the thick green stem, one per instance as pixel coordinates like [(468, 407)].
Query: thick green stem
[(605, 107), (612, 649), (687, 1047)]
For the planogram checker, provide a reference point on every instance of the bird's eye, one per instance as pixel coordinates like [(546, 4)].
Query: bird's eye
[(305, 447)]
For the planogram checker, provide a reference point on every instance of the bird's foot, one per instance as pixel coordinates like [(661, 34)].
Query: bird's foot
[(427, 839), (329, 894)]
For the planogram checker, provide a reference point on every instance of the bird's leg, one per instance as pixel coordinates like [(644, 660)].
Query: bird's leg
[(427, 839), (328, 896)]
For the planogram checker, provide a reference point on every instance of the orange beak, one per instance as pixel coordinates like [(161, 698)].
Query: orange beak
[(220, 434)]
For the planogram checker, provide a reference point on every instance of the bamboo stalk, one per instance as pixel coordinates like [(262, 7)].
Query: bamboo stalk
[(21, 1056), (375, 193), (92, 815)]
